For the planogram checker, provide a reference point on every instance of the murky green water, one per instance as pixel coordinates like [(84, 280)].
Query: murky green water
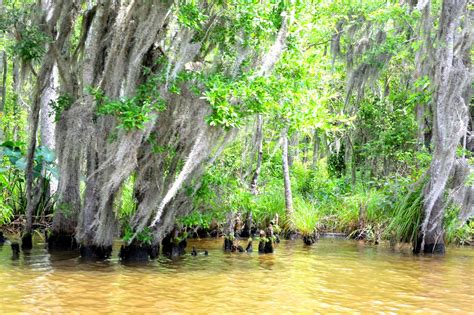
[(334, 276)]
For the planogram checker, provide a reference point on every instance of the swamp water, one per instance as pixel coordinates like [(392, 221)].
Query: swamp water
[(336, 276)]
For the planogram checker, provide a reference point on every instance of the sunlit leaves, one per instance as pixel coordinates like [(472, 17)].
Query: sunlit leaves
[(29, 41), (190, 15)]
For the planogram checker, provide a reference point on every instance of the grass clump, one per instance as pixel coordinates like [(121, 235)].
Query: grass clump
[(305, 217), (407, 215)]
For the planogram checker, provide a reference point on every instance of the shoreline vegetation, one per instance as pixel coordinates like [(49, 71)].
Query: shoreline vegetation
[(156, 121)]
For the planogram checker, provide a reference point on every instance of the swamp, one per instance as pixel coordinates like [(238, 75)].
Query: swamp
[(236, 156)]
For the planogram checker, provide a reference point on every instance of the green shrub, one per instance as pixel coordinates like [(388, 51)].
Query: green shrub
[(457, 232), (407, 216), (305, 217), (6, 213)]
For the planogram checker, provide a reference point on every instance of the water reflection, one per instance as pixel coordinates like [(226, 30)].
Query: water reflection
[(331, 276)]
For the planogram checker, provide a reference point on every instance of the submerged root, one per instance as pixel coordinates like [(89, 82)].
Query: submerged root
[(62, 242), (92, 252), (136, 252)]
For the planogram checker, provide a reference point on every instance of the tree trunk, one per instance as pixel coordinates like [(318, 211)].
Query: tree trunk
[(259, 145), (3, 88), (450, 120), (349, 158), (316, 148), (422, 61), (34, 190), (293, 149), (47, 124), (420, 118), (286, 174), (16, 94), (306, 141)]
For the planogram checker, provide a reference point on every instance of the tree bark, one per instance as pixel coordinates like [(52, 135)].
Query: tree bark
[(286, 174), (349, 158), (47, 124), (3, 88), (293, 150), (259, 145), (51, 16), (16, 93), (450, 119), (422, 61), (316, 148)]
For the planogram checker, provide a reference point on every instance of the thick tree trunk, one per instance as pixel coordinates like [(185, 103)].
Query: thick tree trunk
[(286, 174), (34, 190), (463, 195), (452, 78), (423, 65), (159, 181), (259, 145), (70, 151)]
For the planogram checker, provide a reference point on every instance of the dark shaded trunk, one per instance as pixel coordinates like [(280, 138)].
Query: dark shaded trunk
[(62, 241), (93, 252), (173, 245), (138, 252), (229, 232), (310, 239)]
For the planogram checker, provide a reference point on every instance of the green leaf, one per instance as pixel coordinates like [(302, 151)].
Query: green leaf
[(46, 154), (21, 163)]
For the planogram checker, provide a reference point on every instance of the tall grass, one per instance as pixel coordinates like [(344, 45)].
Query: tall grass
[(456, 231), (305, 217), (407, 216), (268, 205)]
